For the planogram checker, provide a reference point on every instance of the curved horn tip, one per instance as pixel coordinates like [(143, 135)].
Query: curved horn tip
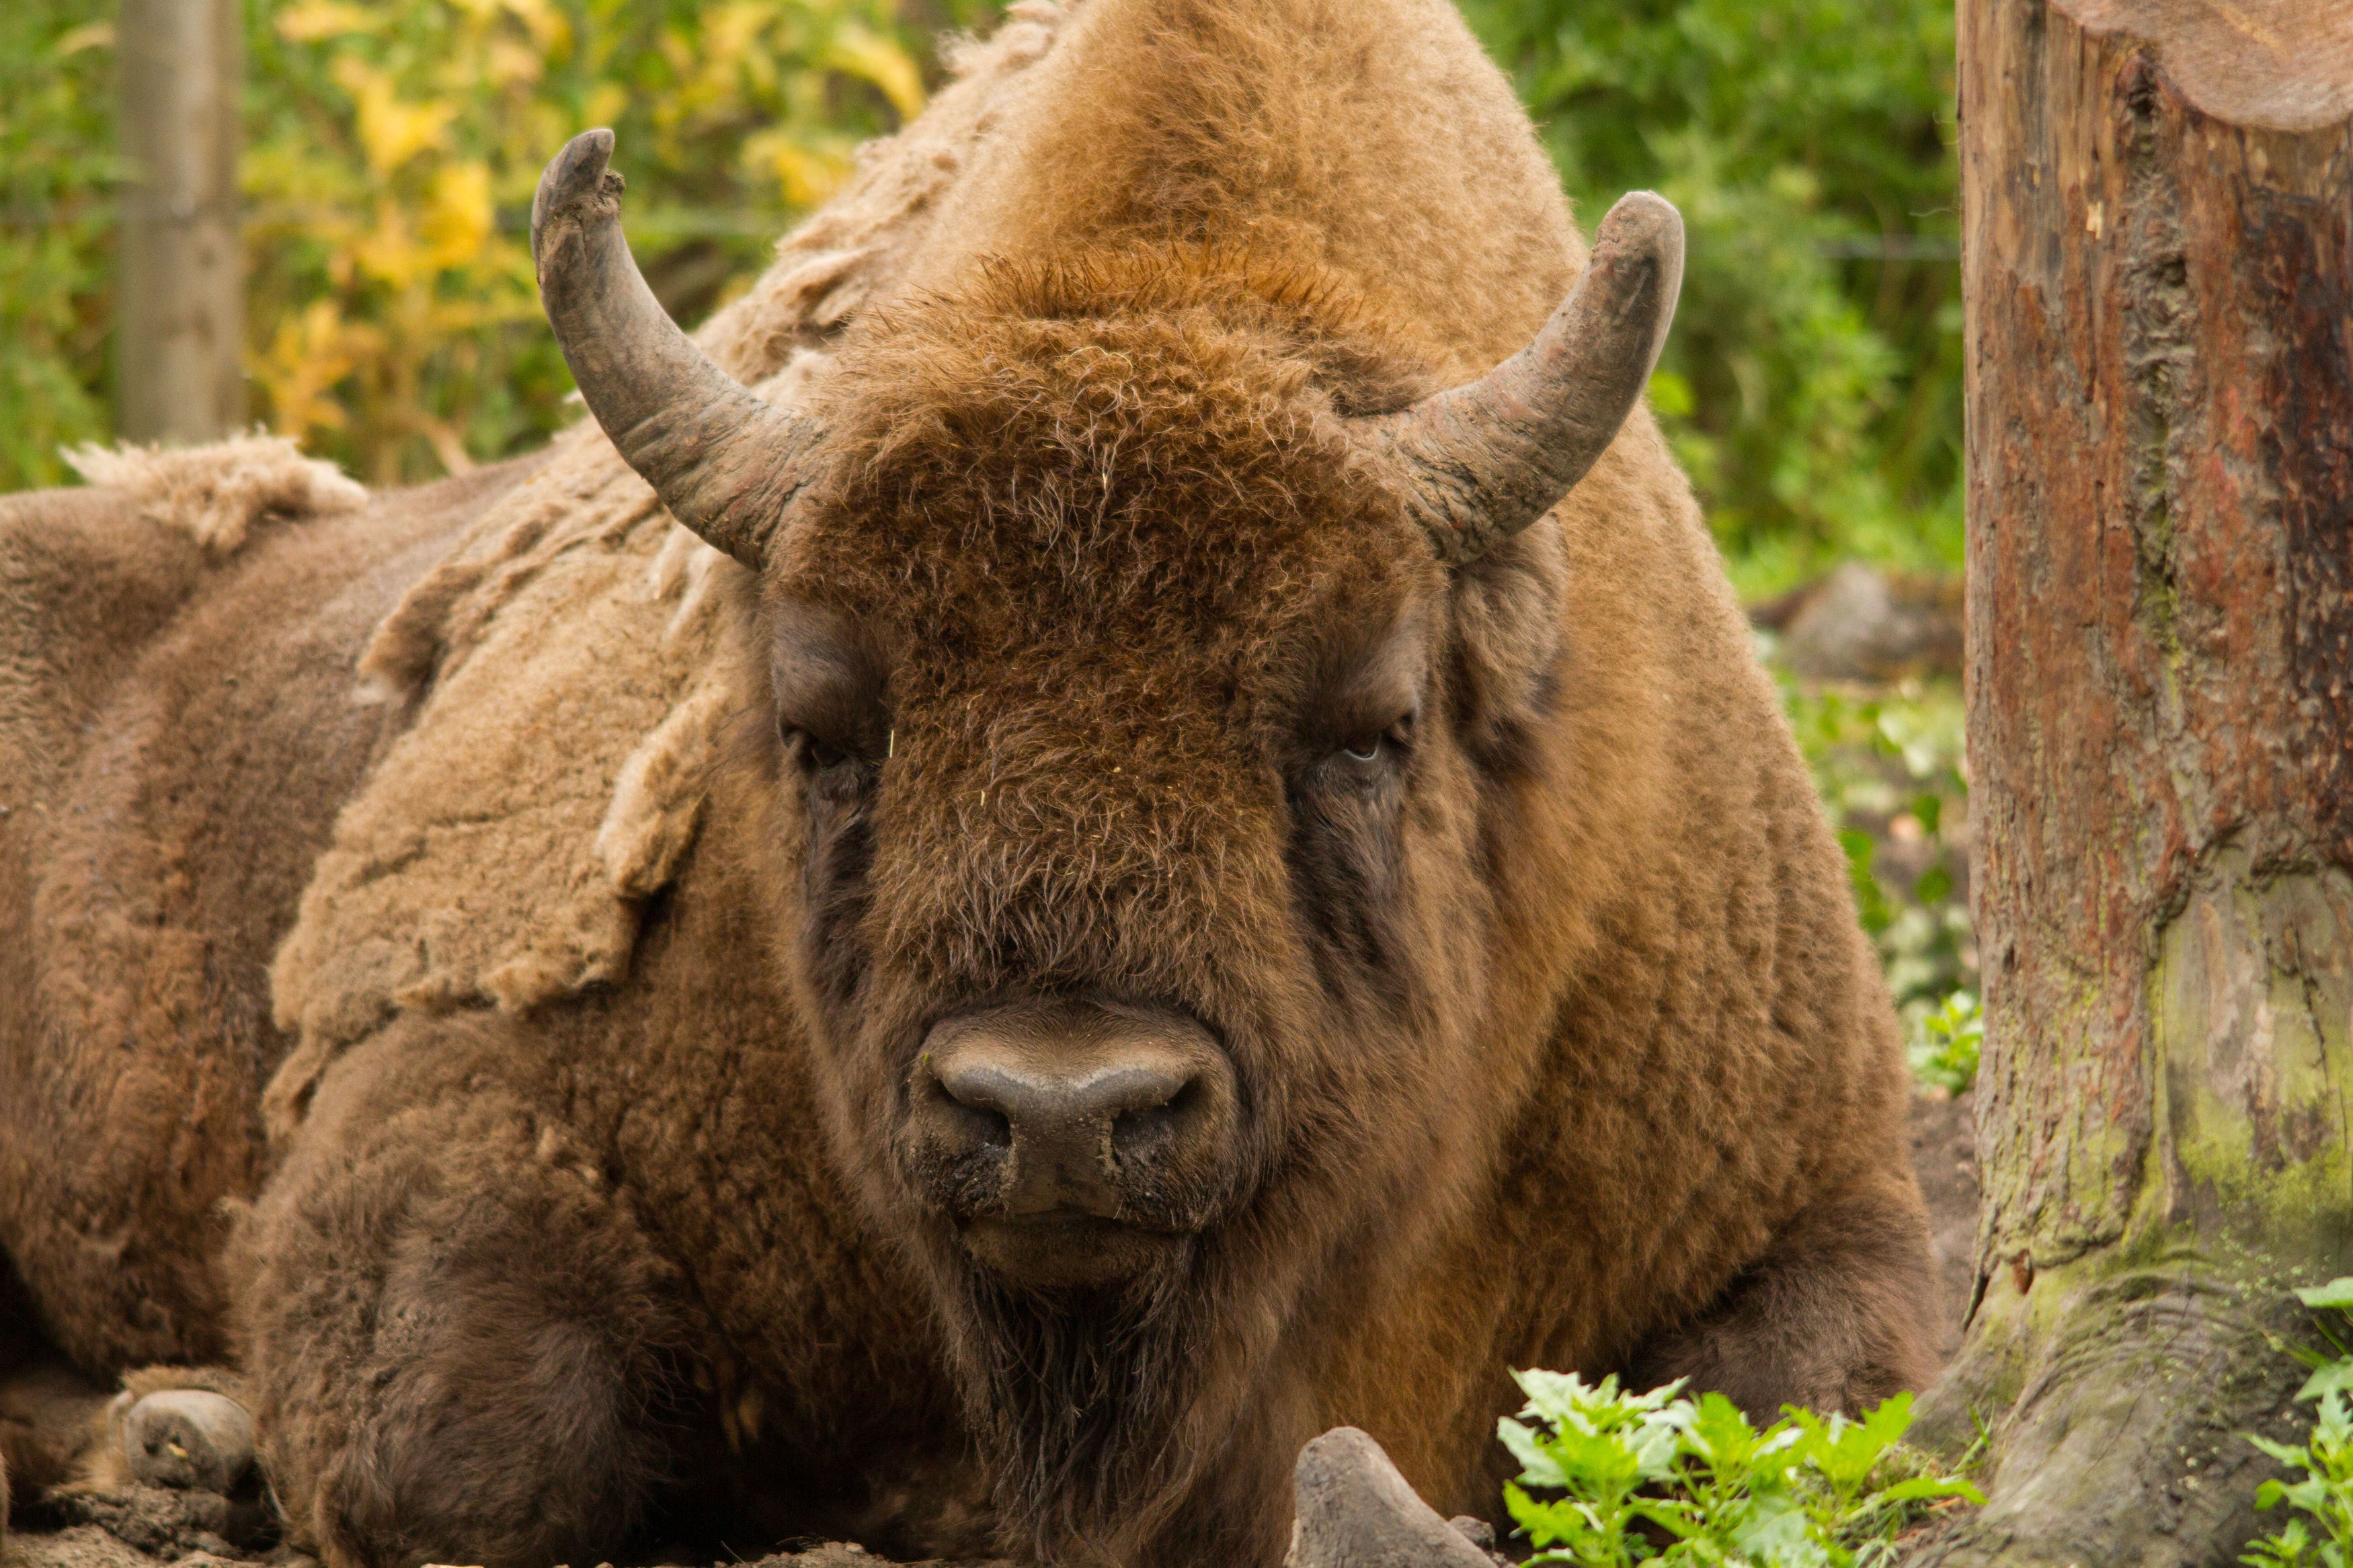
[(1639, 220), (1641, 215), (578, 174), (1643, 226)]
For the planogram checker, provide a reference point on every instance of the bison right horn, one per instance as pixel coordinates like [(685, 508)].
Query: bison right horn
[(1484, 460), (727, 464)]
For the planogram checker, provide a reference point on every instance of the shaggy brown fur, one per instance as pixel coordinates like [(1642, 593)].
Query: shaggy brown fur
[(1556, 1041)]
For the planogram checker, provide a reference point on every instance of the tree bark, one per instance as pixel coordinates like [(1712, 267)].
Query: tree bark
[(182, 281), (2158, 259)]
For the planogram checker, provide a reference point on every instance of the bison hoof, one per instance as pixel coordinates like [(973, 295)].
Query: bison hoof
[(188, 1437), (1356, 1512)]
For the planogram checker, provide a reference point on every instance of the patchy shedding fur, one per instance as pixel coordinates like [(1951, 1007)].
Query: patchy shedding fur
[(215, 493), (547, 785), (581, 1214)]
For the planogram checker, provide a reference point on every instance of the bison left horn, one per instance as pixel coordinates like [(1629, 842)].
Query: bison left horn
[(1482, 461), (727, 464)]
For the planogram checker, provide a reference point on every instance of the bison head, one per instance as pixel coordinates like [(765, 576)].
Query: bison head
[(1149, 697)]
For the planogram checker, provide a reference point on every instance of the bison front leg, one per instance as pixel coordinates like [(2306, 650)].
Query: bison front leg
[(1836, 1316), (460, 1344)]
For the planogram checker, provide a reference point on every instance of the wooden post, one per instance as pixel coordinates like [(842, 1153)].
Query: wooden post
[(182, 281), (2158, 266)]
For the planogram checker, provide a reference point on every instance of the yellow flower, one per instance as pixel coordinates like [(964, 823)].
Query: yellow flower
[(457, 217), (391, 132), (311, 20)]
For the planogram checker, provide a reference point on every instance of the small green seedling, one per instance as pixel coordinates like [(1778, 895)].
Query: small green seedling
[(2325, 1495), (1642, 1478), (1945, 1052)]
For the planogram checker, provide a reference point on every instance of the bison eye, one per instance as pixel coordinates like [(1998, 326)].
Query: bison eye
[(1390, 743), (812, 752)]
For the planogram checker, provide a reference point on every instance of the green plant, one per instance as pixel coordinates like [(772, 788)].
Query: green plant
[(59, 171), (1945, 1047), (2324, 1494), (1891, 769), (392, 150), (1657, 1476)]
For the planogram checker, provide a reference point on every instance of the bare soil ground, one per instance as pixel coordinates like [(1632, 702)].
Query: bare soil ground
[(1944, 1151)]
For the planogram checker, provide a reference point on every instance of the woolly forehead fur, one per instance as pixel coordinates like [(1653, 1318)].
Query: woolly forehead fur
[(1103, 525)]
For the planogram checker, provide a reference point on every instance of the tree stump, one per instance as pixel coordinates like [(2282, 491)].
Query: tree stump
[(2158, 257)]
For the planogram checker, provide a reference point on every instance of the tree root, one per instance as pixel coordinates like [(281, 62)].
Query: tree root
[(2117, 1406)]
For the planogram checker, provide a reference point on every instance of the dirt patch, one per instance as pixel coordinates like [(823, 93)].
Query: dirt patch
[(138, 1527), (1945, 1152)]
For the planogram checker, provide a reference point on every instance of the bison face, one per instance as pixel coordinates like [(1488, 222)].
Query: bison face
[(1148, 790), (1107, 769), (1139, 756)]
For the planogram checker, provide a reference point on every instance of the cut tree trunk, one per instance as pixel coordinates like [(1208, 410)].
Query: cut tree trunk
[(182, 280), (2158, 257)]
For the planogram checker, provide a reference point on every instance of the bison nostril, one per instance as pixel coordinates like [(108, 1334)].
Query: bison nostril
[(981, 1124), (1142, 1132)]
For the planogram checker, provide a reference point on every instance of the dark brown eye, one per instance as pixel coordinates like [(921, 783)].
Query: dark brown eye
[(1388, 743), (811, 750)]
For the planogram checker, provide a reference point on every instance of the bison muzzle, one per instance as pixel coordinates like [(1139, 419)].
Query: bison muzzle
[(1073, 1144)]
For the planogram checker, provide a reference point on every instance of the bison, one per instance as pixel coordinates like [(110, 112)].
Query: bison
[(1243, 876)]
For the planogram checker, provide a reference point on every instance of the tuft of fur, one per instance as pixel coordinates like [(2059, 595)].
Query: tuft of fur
[(215, 493)]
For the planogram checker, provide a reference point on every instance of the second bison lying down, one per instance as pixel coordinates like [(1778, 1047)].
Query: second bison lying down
[(1224, 905)]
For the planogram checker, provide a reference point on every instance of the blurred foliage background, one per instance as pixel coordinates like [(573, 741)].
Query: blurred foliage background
[(1812, 384), (392, 147)]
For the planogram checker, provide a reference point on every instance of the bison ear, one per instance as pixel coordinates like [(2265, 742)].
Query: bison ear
[(1482, 461), (727, 464)]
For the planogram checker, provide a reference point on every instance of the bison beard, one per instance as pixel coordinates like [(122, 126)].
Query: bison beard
[(1078, 1399)]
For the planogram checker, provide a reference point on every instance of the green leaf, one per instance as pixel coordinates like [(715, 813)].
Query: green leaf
[(1655, 1450), (1774, 1532), (1719, 1433), (1537, 1467), (1678, 1519), (2280, 1452), (1929, 808), (1923, 1487), (2336, 1293), (1890, 1420), (2330, 1378)]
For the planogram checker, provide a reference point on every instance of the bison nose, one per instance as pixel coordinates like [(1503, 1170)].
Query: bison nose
[(1075, 1124), (1054, 1114)]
